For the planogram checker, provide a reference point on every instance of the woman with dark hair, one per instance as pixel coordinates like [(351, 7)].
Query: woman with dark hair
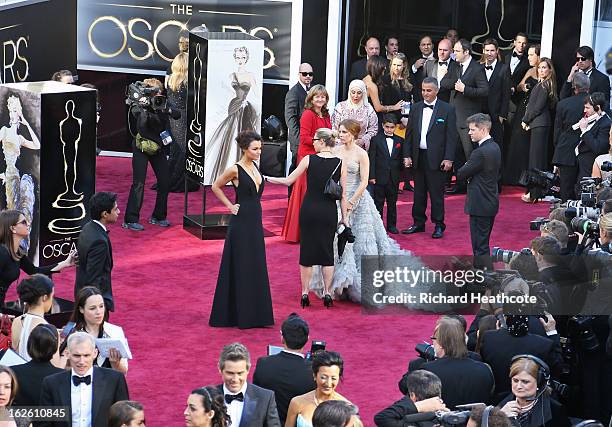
[(335, 413), (327, 368), (319, 215), (358, 108), (315, 116), (242, 297), (595, 133), (206, 408), (90, 316), (36, 292), (126, 413), (14, 232), (43, 345), (376, 87), (8, 390)]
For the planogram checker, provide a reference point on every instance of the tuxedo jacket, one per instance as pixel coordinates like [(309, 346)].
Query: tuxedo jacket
[(287, 375), (569, 112), (520, 70), (417, 78), (259, 409), (441, 135), (482, 172), (109, 386), (294, 106), (592, 144), (476, 90), (496, 104), (385, 167), (30, 377), (599, 83), (431, 70), (393, 416), (95, 261), (358, 70)]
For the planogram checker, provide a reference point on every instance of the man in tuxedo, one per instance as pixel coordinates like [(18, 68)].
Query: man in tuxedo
[(517, 61), (467, 82), (358, 69), (294, 106), (386, 161), (391, 48), (482, 201), (496, 104), (430, 149), (88, 391), (438, 69), (94, 247), (418, 63), (584, 64), (288, 373), (569, 112), (247, 404)]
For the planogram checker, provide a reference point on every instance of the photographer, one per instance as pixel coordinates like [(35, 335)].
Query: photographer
[(423, 395), (495, 417), (151, 117), (595, 131)]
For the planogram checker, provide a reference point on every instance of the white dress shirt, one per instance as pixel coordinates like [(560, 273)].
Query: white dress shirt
[(389, 143), (81, 400), (442, 70), (486, 138), (234, 409), (514, 61), (427, 114), (100, 224), (489, 73), (465, 64)]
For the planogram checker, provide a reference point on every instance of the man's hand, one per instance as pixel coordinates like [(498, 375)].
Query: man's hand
[(432, 404), (419, 63), (407, 162), (550, 324), (446, 165), (459, 86), (573, 71), (372, 181)]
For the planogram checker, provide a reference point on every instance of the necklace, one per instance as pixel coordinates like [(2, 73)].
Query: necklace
[(317, 401)]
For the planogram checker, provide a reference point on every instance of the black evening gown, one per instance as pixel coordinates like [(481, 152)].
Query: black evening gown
[(318, 214), (242, 297), (176, 154), (518, 151)]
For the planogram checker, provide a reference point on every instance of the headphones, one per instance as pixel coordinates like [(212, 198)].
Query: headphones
[(542, 377), (485, 416)]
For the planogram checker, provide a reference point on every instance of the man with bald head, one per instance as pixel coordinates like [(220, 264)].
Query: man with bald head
[(358, 69), (438, 69), (294, 106), (87, 391)]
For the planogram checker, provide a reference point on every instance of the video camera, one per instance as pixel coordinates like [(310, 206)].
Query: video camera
[(505, 255), (426, 351), (539, 183), (142, 95)]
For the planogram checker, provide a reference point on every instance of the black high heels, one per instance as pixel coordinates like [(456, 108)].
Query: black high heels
[(328, 301), (305, 301)]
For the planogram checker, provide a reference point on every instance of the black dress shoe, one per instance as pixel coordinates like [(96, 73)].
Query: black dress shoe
[(392, 230), (456, 190), (414, 229), (438, 232)]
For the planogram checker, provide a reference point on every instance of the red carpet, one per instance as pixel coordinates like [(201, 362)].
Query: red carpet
[(164, 281)]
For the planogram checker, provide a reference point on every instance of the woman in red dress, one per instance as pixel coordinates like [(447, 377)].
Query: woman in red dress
[(315, 116)]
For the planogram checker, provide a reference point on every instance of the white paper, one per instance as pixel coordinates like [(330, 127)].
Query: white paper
[(121, 345), (11, 358)]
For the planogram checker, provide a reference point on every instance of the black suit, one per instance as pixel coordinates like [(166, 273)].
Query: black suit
[(358, 70), (419, 75), (30, 377), (569, 111), (593, 143), (386, 168), (294, 106), (95, 262), (431, 70), (599, 83), (482, 201), (108, 385), (393, 416), (496, 104), (259, 408), (441, 145), (519, 71), (499, 347), (287, 375), (463, 380)]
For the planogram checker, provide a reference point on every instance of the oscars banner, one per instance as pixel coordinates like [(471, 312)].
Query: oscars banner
[(138, 36), (37, 38), (56, 138)]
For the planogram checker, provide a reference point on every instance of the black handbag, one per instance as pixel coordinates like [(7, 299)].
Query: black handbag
[(332, 188)]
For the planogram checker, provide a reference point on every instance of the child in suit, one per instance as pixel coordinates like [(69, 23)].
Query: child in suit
[(385, 169)]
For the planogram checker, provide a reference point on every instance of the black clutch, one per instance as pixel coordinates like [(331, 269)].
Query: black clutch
[(332, 188)]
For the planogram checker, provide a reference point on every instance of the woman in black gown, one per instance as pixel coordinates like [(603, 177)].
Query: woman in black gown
[(242, 297), (318, 214), (14, 232)]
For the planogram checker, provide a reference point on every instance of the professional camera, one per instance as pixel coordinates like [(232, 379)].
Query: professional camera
[(582, 211), (426, 351), (580, 329), (539, 183), (444, 419), (535, 224), (505, 255), (606, 167), (315, 347), (588, 194), (139, 94), (585, 226)]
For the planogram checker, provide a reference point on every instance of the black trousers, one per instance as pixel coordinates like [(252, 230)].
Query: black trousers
[(480, 232), (387, 192), (464, 150), (427, 181), (159, 163), (568, 176)]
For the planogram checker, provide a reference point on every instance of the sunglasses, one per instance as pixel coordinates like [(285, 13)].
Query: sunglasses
[(432, 338), (23, 221), (306, 74), (581, 58)]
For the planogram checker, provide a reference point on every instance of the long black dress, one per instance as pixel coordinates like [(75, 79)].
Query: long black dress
[(242, 297), (176, 155), (318, 214)]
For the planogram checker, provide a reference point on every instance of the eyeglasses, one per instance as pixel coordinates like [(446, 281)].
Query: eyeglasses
[(316, 139), (581, 58), (433, 338), (306, 74)]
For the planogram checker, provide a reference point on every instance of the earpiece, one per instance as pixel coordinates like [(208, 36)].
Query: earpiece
[(543, 375)]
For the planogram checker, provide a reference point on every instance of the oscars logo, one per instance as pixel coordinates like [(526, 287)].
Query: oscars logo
[(69, 200), (195, 142)]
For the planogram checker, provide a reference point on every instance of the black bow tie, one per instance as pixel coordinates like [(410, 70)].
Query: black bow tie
[(76, 380), (516, 55), (428, 106), (229, 398), (442, 63), (488, 67)]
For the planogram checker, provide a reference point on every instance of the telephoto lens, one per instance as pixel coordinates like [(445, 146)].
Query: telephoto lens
[(585, 226)]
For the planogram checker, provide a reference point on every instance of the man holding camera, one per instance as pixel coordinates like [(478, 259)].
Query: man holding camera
[(151, 115)]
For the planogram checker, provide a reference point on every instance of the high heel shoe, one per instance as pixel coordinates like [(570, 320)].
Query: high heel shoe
[(305, 301), (328, 301)]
